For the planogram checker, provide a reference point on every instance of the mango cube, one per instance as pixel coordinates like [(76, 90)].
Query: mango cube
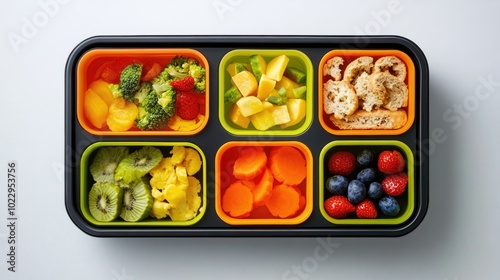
[(245, 82), (276, 67)]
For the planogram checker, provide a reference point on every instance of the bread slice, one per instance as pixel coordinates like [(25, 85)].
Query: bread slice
[(368, 99), (395, 90), (356, 67), (392, 65), (339, 98), (376, 119), (332, 67)]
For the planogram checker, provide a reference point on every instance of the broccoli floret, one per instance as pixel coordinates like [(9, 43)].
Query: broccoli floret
[(144, 89), (167, 101), (129, 80), (180, 67), (151, 114), (232, 95), (115, 90)]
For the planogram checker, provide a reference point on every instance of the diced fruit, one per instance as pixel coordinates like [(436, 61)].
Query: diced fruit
[(295, 75), (95, 109), (258, 65), (249, 105), (265, 87), (296, 110), (237, 118), (342, 163), (276, 67), (300, 92), (263, 120), (235, 68), (280, 114), (245, 82), (102, 89), (289, 85)]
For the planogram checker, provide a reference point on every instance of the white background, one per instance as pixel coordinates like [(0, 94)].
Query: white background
[(457, 240)]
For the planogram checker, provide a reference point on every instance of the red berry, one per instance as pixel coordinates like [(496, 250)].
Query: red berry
[(184, 84), (366, 210), (338, 207), (391, 162), (395, 185), (188, 105), (342, 163)]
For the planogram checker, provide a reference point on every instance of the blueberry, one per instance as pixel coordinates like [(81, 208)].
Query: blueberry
[(367, 175), (389, 206), (375, 190), (365, 158), (337, 184), (356, 191)]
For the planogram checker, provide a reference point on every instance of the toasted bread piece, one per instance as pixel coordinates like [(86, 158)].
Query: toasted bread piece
[(376, 119), (396, 90), (339, 98), (368, 99), (356, 67), (391, 64), (332, 67)]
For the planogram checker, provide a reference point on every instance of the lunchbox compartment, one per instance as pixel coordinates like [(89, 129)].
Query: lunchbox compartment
[(166, 148)]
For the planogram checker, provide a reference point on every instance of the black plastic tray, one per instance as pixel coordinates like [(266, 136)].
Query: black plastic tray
[(209, 139)]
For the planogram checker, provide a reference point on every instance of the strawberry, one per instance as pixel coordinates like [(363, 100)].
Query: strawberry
[(342, 163), (338, 207), (395, 184), (188, 105), (390, 162), (184, 84), (366, 210)]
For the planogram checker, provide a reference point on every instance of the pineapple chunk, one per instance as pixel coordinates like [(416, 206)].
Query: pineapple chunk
[(263, 120), (296, 110), (276, 67), (249, 105), (280, 114), (266, 85), (289, 85), (237, 118), (245, 82)]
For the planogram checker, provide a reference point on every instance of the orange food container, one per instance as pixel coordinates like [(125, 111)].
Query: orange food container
[(93, 62), (348, 56)]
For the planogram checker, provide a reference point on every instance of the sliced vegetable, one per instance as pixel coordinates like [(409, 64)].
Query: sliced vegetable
[(263, 189), (250, 163), (238, 200), (287, 165), (284, 201), (150, 71)]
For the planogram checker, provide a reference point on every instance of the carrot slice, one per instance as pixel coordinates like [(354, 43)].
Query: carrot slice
[(238, 200), (150, 71), (263, 189), (288, 165), (250, 163), (284, 201)]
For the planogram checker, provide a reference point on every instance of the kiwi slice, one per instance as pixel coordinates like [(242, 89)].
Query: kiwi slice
[(137, 164), (105, 162), (105, 201), (137, 201)]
